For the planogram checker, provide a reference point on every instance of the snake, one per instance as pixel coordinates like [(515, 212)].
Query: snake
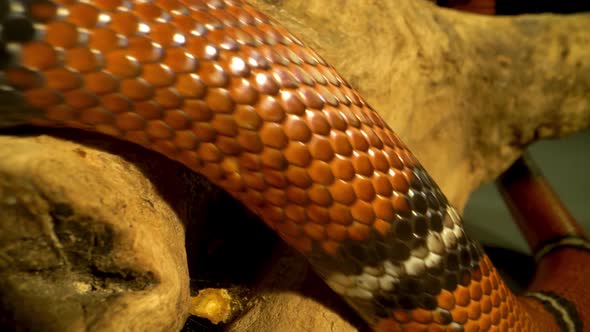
[(227, 91)]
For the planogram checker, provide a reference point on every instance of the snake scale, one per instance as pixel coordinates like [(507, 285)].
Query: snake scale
[(228, 92)]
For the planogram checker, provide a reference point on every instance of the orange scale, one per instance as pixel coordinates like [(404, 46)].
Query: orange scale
[(251, 142), (62, 79), (383, 208), (394, 159), (164, 33), (321, 172), (485, 323), (486, 305), (362, 165), (213, 75), (197, 110), (219, 100), (343, 192), (298, 154), (342, 168), (284, 78), (241, 15), (471, 326), (474, 310), (147, 11), (185, 139), (296, 213), (158, 75), (159, 129), (272, 135), (136, 89), (275, 197), (340, 214), (286, 227), (318, 214), (225, 124), (254, 181), (124, 23), (205, 18), (228, 145), (275, 178), (495, 316), (165, 147), (109, 130), (414, 326), (62, 34), (96, 116), (104, 40), (39, 55), (358, 232), (42, 10), (459, 315), (495, 297), (363, 212), (273, 214), (142, 138), (119, 64), (276, 160), (222, 39), (341, 144), (401, 316), (446, 300), (22, 78), (364, 189), (336, 232), (303, 244), (462, 297), (297, 129), (382, 227), (176, 119), (319, 195), (321, 148), (108, 5), (148, 110), (247, 118), (291, 103), (297, 196), (379, 160), (265, 84), (270, 109), (233, 183), (143, 49), (401, 203), (173, 5), (129, 121), (61, 113), (382, 184), (475, 291), (43, 98), (331, 248), (314, 231), (189, 86), (83, 59), (242, 92), (422, 316), (318, 124)]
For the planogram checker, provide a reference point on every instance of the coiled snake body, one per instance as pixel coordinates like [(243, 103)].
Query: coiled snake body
[(226, 91)]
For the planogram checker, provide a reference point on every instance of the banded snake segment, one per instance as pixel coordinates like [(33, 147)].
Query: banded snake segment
[(225, 90)]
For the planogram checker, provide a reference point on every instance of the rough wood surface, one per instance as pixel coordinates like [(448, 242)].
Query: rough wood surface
[(92, 234)]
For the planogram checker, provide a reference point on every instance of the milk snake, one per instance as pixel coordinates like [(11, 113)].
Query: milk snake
[(228, 92)]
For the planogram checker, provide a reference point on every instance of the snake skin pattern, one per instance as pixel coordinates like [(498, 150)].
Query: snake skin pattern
[(223, 89)]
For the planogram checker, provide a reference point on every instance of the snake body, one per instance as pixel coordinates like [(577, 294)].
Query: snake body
[(225, 90)]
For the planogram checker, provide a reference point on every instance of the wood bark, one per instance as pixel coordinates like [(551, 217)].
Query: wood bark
[(92, 231)]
